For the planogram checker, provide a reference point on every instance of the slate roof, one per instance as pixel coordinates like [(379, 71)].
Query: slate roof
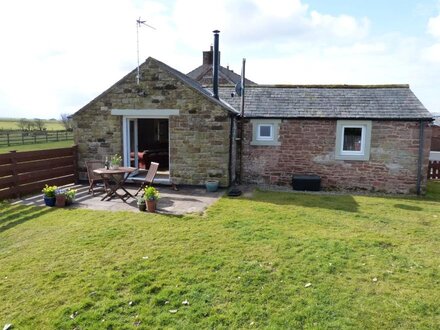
[(193, 84), (203, 75), (396, 102), (436, 116)]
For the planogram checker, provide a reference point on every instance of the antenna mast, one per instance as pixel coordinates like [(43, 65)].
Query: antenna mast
[(138, 25)]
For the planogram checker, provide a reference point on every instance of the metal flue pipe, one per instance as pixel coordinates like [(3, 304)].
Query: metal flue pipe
[(215, 64)]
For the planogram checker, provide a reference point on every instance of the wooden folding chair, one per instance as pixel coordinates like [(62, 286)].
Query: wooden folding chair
[(94, 179), (149, 178)]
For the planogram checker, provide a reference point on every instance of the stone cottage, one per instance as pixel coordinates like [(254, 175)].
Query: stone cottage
[(168, 118)]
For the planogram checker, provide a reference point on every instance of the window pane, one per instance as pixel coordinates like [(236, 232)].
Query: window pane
[(265, 131), (352, 138)]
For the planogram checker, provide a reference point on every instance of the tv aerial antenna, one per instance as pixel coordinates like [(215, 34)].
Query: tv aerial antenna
[(139, 23)]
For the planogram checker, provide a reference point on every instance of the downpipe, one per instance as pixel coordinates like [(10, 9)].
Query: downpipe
[(420, 160)]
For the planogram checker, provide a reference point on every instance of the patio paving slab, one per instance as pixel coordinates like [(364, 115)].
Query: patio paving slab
[(185, 200)]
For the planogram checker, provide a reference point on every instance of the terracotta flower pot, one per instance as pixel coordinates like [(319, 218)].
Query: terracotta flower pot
[(151, 206), (60, 200)]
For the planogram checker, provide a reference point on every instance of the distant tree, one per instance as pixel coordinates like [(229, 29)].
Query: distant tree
[(30, 125), (23, 124), (67, 122), (39, 124)]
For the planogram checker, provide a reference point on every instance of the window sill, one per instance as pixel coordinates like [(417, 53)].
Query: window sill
[(352, 157), (265, 143)]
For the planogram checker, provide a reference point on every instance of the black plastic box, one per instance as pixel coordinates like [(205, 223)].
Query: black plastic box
[(306, 182)]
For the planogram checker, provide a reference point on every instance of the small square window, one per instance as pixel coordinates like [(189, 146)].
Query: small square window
[(353, 140), (265, 132)]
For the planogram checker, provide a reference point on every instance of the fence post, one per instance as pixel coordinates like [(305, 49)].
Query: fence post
[(57, 135), (22, 137), (15, 183), (45, 133), (7, 137)]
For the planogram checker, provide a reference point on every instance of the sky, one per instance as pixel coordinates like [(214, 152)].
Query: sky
[(57, 55)]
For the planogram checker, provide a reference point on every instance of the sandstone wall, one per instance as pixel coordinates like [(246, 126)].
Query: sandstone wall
[(435, 142), (308, 147)]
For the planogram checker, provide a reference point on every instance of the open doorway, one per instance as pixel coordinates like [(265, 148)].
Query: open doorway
[(148, 141), (152, 143)]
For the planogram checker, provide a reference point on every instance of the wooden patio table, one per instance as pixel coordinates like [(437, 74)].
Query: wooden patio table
[(118, 176)]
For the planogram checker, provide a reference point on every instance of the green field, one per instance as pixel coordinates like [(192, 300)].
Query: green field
[(11, 124), (37, 146), (268, 261)]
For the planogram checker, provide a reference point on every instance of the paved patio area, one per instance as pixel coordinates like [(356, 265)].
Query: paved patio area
[(185, 200)]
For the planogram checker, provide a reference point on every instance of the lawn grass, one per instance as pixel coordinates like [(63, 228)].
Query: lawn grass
[(12, 124), (37, 146), (372, 263)]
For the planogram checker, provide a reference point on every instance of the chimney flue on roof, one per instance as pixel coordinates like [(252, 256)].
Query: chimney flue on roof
[(215, 64), (207, 57)]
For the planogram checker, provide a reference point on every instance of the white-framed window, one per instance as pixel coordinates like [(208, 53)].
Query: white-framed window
[(265, 132), (353, 138)]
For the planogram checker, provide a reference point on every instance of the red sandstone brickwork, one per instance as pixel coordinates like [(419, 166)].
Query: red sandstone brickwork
[(435, 142), (308, 147)]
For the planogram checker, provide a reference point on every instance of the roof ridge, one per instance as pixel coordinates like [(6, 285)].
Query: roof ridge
[(225, 72), (341, 102), (334, 86), (193, 84)]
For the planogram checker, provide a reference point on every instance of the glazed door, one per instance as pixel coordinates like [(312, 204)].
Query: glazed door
[(130, 143)]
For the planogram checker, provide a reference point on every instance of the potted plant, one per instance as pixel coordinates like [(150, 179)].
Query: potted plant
[(70, 196), (151, 195), (60, 197), (49, 195), (115, 161), (141, 204), (211, 185)]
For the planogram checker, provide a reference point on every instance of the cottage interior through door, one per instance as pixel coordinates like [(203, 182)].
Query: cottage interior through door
[(146, 141)]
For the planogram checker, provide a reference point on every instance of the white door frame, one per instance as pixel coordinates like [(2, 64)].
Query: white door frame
[(131, 114), (126, 141)]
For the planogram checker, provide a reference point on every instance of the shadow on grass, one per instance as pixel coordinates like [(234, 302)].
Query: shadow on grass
[(344, 203), (14, 215), (407, 207)]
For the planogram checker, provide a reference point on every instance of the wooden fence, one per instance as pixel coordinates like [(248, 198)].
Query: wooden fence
[(23, 173), (434, 169), (12, 138)]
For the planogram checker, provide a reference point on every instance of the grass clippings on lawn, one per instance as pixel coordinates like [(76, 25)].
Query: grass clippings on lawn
[(276, 260)]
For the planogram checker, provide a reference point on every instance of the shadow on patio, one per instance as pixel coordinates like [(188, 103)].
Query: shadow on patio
[(185, 200)]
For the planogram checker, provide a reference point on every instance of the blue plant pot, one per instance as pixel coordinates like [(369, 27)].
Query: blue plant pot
[(211, 185), (49, 201)]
